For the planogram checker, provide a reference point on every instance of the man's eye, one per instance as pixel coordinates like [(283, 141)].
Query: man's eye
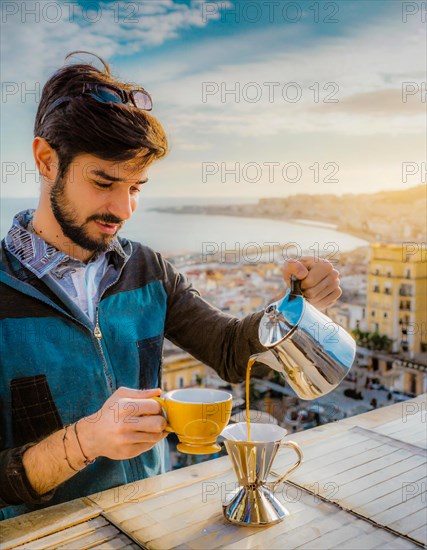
[(135, 190), (103, 185)]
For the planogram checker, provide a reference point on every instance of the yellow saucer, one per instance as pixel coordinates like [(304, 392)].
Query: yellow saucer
[(198, 449)]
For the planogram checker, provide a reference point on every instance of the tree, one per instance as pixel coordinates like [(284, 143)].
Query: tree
[(372, 340)]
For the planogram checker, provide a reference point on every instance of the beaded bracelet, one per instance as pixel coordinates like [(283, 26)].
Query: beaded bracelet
[(86, 461), (64, 437)]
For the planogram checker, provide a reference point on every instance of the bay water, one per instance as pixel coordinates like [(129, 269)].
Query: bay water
[(178, 234)]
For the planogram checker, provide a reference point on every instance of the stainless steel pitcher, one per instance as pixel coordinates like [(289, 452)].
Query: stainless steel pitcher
[(311, 352)]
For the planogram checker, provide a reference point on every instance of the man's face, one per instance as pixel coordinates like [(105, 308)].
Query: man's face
[(95, 198)]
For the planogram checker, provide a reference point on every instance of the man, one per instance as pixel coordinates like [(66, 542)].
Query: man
[(84, 312)]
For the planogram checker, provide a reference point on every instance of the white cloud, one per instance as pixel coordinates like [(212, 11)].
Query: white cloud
[(365, 70), (32, 45), (369, 63)]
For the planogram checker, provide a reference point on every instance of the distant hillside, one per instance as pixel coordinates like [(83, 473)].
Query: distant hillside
[(388, 215)]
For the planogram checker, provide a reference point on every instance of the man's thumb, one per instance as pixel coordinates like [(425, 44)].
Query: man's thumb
[(131, 393), (294, 267)]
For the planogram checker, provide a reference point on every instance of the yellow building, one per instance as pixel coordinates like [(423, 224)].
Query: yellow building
[(397, 304), (181, 370)]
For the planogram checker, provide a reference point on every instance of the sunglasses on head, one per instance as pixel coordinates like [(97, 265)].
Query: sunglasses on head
[(105, 93)]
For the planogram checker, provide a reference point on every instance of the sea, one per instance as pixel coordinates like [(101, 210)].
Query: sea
[(174, 234)]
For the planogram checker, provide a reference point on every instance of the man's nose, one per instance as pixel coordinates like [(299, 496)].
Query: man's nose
[(121, 206)]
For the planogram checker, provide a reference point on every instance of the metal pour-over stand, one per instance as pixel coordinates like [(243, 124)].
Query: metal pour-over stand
[(254, 502)]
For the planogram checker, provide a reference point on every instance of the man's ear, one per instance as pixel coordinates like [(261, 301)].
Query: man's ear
[(46, 159)]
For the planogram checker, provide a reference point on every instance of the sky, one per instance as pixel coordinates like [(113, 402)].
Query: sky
[(329, 97)]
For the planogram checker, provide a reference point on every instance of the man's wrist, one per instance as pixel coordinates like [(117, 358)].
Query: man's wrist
[(85, 441)]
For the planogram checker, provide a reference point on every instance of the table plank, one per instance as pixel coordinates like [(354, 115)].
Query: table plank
[(399, 512), (65, 535), (412, 523), (419, 534), (396, 470), (220, 533), (333, 538), (38, 524), (100, 536), (121, 541), (383, 489), (164, 483), (378, 538)]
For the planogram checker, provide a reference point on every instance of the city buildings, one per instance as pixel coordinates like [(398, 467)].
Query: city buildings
[(396, 308), (384, 304)]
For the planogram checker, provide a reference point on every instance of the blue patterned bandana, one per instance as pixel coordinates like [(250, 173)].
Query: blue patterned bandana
[(35, 253)]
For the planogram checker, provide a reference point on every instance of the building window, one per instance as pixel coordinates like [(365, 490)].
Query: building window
[(408, 274), (373, 313), (405, 290), (412, 384), (180, 382), (363, 313), (389, 365), (423, 347), (385, 315)]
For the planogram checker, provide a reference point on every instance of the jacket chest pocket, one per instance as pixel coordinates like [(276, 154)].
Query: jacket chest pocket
[(150, 361)]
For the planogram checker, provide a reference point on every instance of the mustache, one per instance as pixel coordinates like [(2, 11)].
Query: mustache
[(105, 218)]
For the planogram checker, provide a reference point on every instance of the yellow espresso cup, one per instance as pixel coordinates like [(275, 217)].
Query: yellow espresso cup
[(197, 416)]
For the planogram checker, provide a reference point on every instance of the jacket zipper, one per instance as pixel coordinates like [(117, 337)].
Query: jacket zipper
[(98, 334)]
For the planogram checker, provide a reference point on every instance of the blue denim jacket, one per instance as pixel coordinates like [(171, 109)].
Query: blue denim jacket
[(54, 370)]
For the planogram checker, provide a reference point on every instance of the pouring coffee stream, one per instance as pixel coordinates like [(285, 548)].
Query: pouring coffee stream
[(313, 354), (308, 349)]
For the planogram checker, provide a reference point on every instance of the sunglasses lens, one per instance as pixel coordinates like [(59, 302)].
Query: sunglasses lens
[(107, 94), (142, 100)]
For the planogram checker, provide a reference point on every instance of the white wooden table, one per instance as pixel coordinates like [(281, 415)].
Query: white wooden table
[(362, 485)]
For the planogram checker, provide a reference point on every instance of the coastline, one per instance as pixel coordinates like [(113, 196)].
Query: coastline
[(241, 211)]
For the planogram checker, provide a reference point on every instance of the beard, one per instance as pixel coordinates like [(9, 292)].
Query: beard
[(77, 231)]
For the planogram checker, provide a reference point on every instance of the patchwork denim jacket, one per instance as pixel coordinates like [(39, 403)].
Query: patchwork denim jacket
[(57, 367)]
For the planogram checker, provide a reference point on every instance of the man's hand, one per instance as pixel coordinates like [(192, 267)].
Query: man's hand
[(319, 280), (128, 424)]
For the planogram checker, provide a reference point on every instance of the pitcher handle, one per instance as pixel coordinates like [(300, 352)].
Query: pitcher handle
[(295, 286), (297, 464)]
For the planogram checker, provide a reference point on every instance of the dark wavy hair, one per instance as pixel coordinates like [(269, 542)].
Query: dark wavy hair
[(115, 132)]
